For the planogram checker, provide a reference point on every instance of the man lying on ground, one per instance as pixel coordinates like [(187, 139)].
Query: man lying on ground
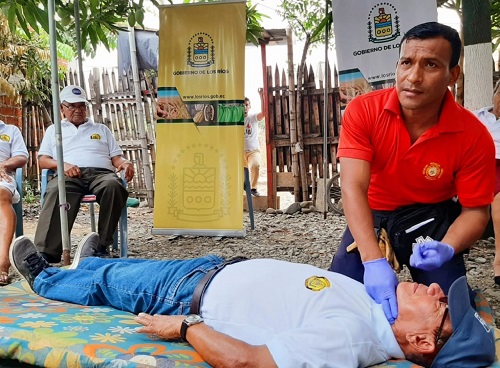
[(268, 313)]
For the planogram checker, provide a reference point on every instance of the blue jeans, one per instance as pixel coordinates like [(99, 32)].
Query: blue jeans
[(133, 285)]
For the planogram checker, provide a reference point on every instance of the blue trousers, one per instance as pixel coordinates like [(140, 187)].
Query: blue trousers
[(132, 285)]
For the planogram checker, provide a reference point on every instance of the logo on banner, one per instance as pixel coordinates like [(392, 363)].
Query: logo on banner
[(383, 23), (201, 50), (198, 193)]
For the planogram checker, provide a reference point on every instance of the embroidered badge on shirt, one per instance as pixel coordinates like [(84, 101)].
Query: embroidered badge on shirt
[(5, 138), (95, 136), (317, 283), (433, 171)]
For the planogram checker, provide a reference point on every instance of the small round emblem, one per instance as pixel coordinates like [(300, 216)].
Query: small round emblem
[(433, 171), (317, 283)]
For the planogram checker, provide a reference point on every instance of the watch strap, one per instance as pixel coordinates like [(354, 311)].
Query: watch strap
[(187, 322), (184, 328)]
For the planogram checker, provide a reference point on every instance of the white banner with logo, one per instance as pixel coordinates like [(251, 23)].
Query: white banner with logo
[(367, 37)]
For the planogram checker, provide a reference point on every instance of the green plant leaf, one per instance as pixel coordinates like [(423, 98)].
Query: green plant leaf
[(94, 5), (22, 22), (11, 16), (42, 17), (131, 19), (31, 17)]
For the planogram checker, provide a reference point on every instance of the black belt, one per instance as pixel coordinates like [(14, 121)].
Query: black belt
[(199, 290)]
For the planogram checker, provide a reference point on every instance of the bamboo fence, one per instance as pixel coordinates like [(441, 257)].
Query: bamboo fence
[(301, 140)]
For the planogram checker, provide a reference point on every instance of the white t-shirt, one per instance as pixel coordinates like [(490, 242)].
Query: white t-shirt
[(11, 144), (251, 133), (490, 121), (266, 301), (90, 145)]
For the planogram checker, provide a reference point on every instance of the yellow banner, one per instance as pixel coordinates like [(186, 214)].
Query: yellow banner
[(199, 133)]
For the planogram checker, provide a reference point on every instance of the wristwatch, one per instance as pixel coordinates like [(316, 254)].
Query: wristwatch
[(190, 320)]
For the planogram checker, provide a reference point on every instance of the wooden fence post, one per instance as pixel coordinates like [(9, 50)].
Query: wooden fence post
[(146, 167)]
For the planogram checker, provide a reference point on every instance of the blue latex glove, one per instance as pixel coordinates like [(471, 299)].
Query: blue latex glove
[(380, 283), (431, 255)]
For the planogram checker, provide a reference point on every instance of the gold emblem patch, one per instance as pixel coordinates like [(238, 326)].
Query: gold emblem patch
[(95, 136), (317, 283), (433, 171), (5, 138)]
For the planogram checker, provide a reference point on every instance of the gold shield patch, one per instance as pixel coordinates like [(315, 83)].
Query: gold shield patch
[(5, 138), (95, 136), (317, 283)]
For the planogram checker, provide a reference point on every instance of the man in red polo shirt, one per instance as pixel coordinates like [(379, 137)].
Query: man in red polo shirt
[(406, 154)]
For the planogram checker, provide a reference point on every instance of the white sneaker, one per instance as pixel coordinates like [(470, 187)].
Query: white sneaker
[(86, 248)]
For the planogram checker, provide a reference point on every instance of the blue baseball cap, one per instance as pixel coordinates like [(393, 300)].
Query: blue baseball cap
[(472, 343)]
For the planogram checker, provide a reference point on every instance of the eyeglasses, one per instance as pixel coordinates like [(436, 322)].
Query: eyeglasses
[(81, 107), (443, 300)]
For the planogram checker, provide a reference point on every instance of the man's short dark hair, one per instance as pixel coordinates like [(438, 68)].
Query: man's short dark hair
[(434, 30)]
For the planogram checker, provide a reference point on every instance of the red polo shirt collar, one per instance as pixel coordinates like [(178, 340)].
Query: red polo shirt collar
[(449, 119)]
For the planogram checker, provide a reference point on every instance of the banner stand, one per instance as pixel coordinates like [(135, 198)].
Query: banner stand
[(199, 132)]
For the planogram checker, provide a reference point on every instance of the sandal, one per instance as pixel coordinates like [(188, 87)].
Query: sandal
[(4, 278)]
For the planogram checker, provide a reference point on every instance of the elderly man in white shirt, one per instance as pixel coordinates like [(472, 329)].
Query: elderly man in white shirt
[(269, 313), (13, 154), (91, 159)]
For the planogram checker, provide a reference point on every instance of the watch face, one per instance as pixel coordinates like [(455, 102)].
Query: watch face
[(193, 318)]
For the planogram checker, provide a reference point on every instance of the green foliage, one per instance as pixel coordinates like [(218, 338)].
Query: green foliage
[(98, 19), (307, 18), (495, 23), (254, 19), (30, 195), (25, 63)]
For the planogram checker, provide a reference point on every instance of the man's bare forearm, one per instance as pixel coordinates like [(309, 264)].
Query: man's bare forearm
[(355, 179), (220, 350), (360, 220), (13, 163), (47, 162), (467, 228), (216, 348)]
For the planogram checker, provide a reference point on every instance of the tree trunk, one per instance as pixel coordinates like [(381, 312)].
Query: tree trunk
[(478, 68)]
